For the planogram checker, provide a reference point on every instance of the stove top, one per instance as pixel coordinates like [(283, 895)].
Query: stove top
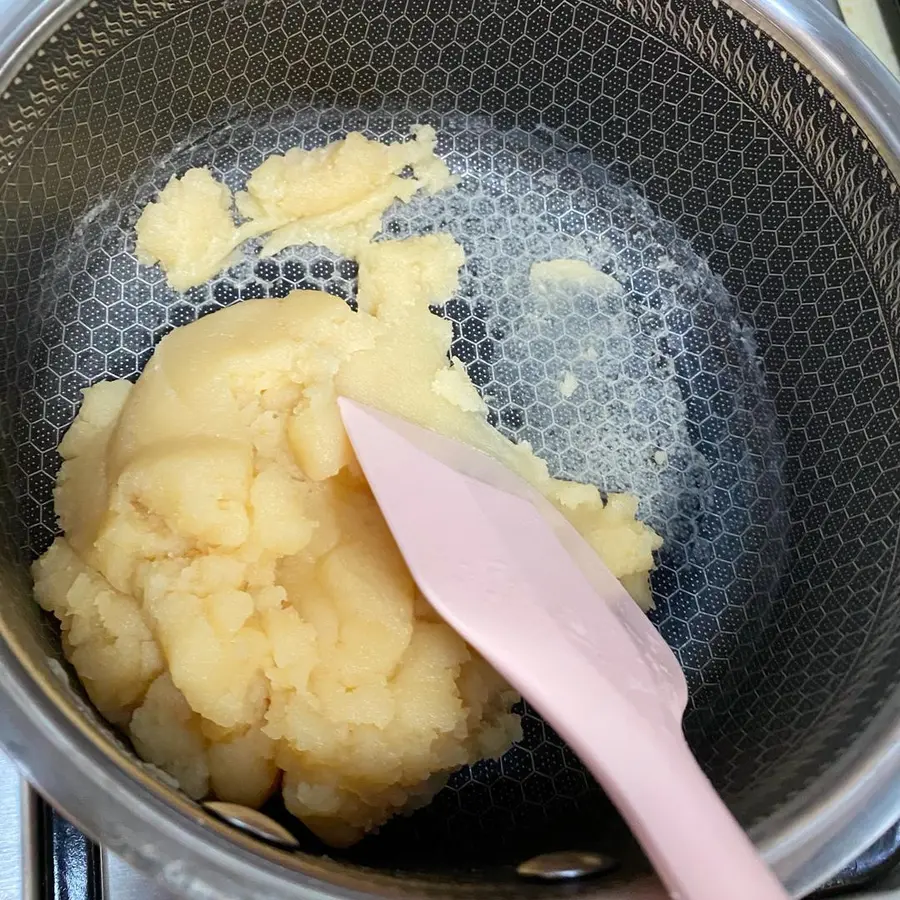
[(11, 819), (43, 857)]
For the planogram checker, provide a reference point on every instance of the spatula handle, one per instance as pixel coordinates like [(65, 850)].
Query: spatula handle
[(699, 850)]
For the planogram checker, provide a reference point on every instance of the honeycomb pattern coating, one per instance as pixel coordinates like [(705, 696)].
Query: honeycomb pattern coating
[(749, 344)]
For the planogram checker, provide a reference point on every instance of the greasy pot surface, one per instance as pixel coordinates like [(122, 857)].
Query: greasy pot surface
[(754, 230)]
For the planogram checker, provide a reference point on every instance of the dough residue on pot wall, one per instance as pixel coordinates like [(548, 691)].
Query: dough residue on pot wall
[(228, 590), (568, 274)]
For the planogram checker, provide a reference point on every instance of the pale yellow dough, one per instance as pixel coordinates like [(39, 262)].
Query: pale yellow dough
[(228, 590), (556, 274), (334, 196), (189, 229)]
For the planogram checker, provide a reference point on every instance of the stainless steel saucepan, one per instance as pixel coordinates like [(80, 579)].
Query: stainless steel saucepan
[(733, 165)]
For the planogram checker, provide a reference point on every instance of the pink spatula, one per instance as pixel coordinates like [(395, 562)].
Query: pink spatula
[(513, 577)]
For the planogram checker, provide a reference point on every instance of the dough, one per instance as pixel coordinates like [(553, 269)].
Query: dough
[(228, 590), (189, 229), (554, 274), (568, 386), (333, 196), (336, 195)]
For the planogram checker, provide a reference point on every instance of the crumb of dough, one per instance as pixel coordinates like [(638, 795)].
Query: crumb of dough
[(661, 458), (229, 592), (189, 229), (569, 385), (554, 273), (453, 384)]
